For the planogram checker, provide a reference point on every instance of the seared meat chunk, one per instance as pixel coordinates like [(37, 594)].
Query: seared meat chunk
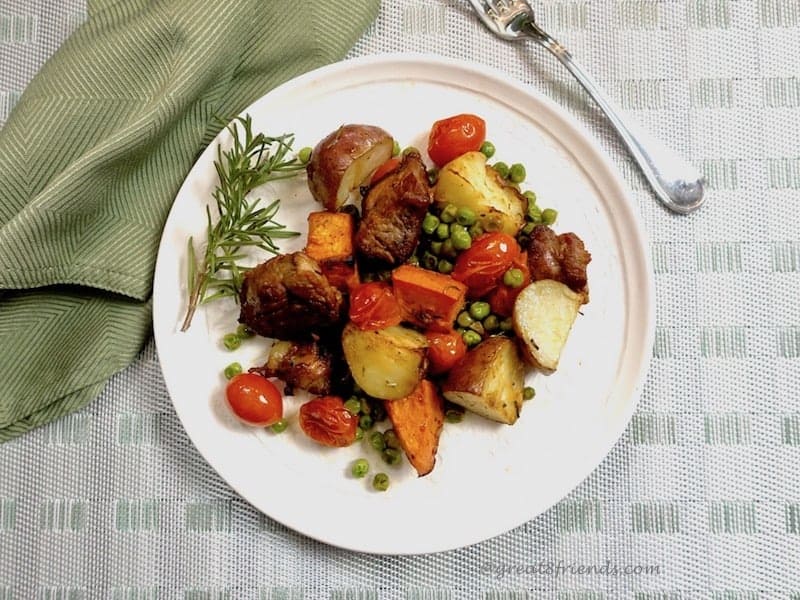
[(287, 297), (301, 365), (392, 213), (560, 257)]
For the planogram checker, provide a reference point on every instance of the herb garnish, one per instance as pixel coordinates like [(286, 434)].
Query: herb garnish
[(249, 163)]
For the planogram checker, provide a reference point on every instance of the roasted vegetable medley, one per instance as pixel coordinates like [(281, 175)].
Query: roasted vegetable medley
[(421, 292)]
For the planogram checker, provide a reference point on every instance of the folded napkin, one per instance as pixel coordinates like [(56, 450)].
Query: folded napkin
[(92, 157)]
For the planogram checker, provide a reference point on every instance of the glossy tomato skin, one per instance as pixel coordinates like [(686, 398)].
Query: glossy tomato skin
[(502, 298), (482, 267), (326, 421), (374, 306), (454, 136), (254, 399), (444, 351), (390, 166)]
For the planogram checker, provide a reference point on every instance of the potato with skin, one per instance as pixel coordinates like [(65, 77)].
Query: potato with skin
[(386, 363), (468, 182), (543, 316), (489, 380), (344, 160)]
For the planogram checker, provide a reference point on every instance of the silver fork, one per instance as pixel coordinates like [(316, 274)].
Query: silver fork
[(678, 184)]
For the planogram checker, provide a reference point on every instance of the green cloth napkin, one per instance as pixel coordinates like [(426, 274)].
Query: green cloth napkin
[(91, 159)]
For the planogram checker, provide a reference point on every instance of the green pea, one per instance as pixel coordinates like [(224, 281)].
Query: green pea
[(464, 319), (395, 148), (516, 174), (528, 229), (430, 223), (448, 249), (478, 328), (501, 168), (280, 426), (476, 231), (488, 149), (360, 467), (530, 195), (491, 323), (353, 405), (231, 341), (528, 393), (365, 422), (506, 325), (390, 437), (461, 240), (413, 260), (232, 370), (513, 278), (304, 154), (466, 216), (392, 456), (479, 310), (380, 482), (457, 228), (454, 415), (409, 150), (448, 214), (471, 338), (436, 247), (443, 231), (376, 441), (534, 214), (549, 216), (445, 266), (244, 332), (359, 434), (429, 261)]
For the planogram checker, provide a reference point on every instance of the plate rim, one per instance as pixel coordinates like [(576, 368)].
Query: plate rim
[(611, 176)]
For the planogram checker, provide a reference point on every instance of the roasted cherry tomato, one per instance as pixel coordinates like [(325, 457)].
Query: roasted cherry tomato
[(454, 136), (390, 166), (444, 351), (254, 399), (327, 421), (482, 267), (503, 297), (373, 306)]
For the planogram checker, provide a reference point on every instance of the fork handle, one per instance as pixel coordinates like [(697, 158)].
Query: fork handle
[(677, 184)]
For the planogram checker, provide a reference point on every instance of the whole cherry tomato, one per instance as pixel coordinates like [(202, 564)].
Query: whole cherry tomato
[(254, 399), (503, 296), (390, 166), (454, 136), (327, 421), (444, 351), (482, 266), (373, 306)]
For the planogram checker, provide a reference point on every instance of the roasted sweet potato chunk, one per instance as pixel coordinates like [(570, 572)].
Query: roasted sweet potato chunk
[(417, 420)]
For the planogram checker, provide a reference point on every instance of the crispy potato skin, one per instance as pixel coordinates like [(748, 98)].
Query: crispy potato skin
[(388, 363), (359, 149), (543, 316), (417, 420), (467, 181), (489, 380)]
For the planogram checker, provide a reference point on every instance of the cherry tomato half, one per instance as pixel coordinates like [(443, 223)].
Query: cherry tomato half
[(327, 421), (482, 266), (503, 297), (374, 306), (444, 351), (254, 399), (454, 136), (390, 166)]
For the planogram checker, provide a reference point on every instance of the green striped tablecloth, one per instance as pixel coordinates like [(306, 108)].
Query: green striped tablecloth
[(113, 502)]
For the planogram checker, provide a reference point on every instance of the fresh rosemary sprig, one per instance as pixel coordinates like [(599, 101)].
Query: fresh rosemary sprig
[(240, 223)]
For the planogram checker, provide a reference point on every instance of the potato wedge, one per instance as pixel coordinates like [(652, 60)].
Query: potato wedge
[(417, 421), (387, 363), (344, 160), (489, 380), (543, 316), (467, 181)]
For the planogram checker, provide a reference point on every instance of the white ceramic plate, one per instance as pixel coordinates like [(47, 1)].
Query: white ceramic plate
[(488, 478)]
